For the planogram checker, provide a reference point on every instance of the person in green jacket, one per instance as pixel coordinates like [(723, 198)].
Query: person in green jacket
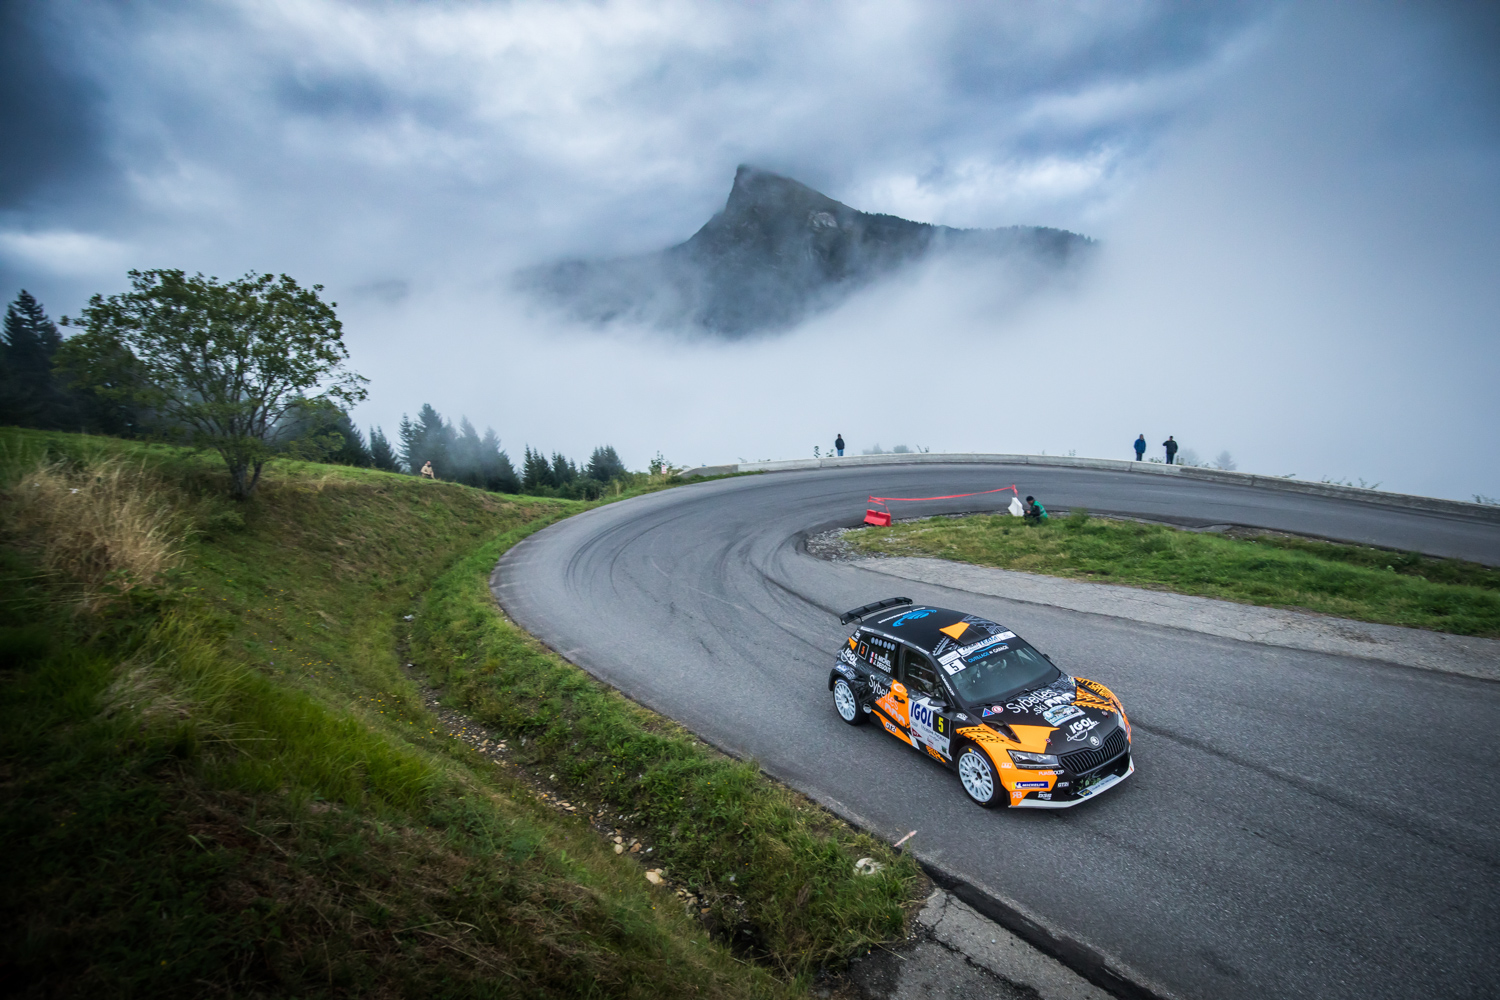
[(1035, 511)]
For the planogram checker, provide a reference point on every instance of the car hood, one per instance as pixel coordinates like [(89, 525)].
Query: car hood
[(1071, 713)]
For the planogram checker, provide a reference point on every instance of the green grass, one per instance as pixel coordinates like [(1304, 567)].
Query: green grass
[(746, 843), (1350, 581), (224, 784)]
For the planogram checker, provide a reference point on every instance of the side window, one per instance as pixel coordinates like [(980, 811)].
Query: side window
[(876, 650), (918, 675)]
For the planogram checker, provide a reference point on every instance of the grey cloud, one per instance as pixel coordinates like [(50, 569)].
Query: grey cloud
[(49, 113), (326, 96)]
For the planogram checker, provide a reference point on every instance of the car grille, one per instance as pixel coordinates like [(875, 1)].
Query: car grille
[(1084, 761)]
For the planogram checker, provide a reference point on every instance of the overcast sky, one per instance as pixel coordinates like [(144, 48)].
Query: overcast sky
[(1299, 209)]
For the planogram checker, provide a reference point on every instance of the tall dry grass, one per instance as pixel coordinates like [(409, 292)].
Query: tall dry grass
[(106, 526)]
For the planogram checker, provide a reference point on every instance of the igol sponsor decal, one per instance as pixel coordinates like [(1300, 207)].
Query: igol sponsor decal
[(1080, 729)]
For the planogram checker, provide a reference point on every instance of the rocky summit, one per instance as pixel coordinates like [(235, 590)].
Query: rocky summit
[(777, 253)]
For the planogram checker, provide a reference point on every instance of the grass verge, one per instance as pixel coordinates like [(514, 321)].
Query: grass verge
[(216, 779), (777, 872), (1350, 581)]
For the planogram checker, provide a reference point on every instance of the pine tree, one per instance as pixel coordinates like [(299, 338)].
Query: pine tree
[(604, 464), (499, 475), (410, 446), (436, 442), (536, 474), (428, 439), (382, 456), (353, 450), (465, 457), (563, 470), (30, 394)]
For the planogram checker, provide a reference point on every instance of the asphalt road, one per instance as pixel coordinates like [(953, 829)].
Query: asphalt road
[(1299, 824)]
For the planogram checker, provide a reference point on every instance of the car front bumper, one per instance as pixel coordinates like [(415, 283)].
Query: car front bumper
[(1114, 774)]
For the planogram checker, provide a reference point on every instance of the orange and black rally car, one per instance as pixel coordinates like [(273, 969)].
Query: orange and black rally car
[(977, 697)]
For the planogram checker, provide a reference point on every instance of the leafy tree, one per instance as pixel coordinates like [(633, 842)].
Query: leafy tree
[(223, 363), (382, 455), (605, 465)]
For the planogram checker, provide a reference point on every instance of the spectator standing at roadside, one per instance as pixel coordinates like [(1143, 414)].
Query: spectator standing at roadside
[(838, 443), (1140, 447), (1171, 447)]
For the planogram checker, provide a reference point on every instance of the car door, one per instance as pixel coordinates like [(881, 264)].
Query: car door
[(929, 718)]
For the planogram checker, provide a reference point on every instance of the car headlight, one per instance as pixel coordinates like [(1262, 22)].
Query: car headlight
[(1033, 761)]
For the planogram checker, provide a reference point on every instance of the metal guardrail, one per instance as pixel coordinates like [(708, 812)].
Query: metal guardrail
[(1432, 505)]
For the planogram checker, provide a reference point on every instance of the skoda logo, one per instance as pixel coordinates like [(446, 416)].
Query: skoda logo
[(1094, 740)]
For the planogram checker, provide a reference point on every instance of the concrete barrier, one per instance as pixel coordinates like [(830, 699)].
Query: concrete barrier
[(1432, 505)]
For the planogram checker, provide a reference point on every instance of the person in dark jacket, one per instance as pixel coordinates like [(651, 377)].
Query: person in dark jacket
[(1035, 511), (838, 443), (1171, 447), (1140, 447)]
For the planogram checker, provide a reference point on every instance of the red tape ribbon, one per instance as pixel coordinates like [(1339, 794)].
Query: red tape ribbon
[(951, 496)]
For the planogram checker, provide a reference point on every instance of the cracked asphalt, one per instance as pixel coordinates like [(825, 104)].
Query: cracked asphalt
[(1302, 822)]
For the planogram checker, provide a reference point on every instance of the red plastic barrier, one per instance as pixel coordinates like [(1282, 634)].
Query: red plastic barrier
[(881, 518)]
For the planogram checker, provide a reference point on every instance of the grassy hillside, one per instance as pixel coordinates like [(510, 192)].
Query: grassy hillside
[(1351, 581), (217, 779)]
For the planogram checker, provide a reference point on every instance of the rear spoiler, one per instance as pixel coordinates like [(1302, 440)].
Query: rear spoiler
[(870, 609)]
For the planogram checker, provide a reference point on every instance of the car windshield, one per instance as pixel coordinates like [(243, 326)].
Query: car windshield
[(998, 671)]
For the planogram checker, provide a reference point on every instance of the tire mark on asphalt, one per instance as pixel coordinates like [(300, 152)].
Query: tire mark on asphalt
[(1369, 809)]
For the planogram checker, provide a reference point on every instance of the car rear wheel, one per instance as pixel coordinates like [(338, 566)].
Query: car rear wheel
[(977, 775), (847, 703)]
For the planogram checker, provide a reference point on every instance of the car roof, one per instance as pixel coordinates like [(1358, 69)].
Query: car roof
[(923, 626)]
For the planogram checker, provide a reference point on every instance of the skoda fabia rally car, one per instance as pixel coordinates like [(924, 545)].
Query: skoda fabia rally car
[(978, 698)]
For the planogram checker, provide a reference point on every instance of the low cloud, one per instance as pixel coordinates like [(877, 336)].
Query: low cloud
[(1297, 207)]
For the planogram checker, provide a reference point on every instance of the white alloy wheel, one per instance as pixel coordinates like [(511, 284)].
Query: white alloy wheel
[(977, 775), (846, 703)]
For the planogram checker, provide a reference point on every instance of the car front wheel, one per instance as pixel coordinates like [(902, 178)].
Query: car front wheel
[(977, 775), (847, 703)]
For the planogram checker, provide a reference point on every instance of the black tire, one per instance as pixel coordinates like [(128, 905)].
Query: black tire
[(846, 703), (978, 777)]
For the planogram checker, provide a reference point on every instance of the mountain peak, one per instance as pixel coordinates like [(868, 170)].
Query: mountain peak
[(756, 189), (778, 252)]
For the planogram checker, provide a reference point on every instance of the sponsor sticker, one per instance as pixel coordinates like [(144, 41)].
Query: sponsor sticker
[(1080, 730), (1059, 714), (1031, 784), (982, 643), (928, 725), (911, 616)]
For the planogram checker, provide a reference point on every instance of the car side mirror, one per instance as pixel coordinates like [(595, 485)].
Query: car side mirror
[(1048, 659)]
